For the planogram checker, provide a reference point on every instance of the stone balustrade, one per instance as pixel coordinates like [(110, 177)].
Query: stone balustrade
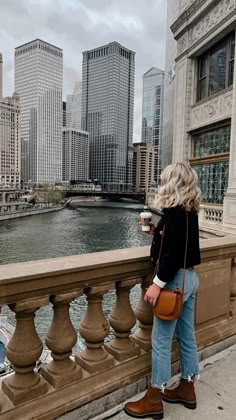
[(103, 366), (213, 214), (211, 220)]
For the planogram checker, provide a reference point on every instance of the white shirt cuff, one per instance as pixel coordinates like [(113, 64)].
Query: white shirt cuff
[(159, 282)]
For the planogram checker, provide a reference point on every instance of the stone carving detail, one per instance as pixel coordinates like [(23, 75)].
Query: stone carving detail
[(210, 20), (212, 110), (190, 11), (182, 43), (184, 4)]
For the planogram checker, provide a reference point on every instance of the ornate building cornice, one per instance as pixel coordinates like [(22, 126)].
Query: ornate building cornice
[(189, 12), (203, 29)]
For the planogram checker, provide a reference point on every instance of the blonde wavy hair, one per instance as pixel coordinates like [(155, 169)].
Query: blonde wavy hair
[(179, 187)]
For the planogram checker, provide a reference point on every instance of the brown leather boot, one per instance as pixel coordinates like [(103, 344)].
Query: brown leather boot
[(148, 406), (183, 394)]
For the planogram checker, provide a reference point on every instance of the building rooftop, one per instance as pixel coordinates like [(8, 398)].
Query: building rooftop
[(153, 71), (37, 39), (107, 45)]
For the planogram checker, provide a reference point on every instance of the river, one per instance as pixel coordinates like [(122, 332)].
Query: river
[(72, 231)]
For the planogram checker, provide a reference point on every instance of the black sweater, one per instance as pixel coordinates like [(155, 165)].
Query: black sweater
[(174, 242)]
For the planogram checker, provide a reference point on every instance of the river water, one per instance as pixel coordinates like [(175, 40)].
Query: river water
[(72, 231)]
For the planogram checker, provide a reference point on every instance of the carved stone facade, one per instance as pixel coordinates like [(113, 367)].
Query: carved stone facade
[(201, 25), (215, 16), (190, 29), (212, 111)]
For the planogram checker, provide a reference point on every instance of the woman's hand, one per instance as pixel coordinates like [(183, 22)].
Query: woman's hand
[(152, 228), (152, 294)]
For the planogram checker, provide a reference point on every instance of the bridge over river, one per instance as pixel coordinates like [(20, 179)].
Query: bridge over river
[(137, 196)]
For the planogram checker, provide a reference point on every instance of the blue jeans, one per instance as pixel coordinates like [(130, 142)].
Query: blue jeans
[(183, 329)]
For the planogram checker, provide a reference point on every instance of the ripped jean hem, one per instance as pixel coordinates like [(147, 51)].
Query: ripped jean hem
[(193, 377), (162, 387)]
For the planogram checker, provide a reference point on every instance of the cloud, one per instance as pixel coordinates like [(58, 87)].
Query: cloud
[(79, 25)]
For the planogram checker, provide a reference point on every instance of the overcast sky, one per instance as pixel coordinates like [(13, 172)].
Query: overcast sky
[(79, 25)]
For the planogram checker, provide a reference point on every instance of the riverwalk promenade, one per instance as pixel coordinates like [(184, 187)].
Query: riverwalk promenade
[(216, 391)]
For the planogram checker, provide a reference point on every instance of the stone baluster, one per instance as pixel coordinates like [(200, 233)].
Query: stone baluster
[(23, 350), (94, 328), (122, 320), (233, 289), (61, 338), (144, 314)]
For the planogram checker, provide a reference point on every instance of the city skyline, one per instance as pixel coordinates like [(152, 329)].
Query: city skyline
[(140, 28)]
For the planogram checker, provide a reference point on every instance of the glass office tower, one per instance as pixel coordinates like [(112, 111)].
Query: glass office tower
[(152, 121)]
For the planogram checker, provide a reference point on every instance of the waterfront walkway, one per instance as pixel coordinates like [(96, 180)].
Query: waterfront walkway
[(216, 392)]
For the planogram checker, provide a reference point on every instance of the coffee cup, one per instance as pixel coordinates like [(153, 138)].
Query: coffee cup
[(145, 220)]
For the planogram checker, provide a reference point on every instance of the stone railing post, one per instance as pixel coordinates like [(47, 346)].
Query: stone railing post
[(94, 328), (122, 320), (60, 339), (144, 314), (23, 350), (233, 289)]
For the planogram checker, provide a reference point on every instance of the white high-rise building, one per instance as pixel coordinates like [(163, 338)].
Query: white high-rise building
[(73, 108), (144, 166), (39, 81), (10, 146), (75, 155)]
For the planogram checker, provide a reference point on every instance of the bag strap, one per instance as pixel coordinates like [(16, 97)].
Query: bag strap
[(161, 246), (185, 253)]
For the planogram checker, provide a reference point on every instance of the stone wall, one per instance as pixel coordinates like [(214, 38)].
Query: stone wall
[(101, 368)]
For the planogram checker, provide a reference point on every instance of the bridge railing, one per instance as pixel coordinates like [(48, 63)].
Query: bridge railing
[(102, 366)]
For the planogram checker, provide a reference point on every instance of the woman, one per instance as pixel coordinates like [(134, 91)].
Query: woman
[(179, 199)]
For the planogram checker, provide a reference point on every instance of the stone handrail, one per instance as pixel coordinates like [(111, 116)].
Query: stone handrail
[(66, 383), (212, 213)]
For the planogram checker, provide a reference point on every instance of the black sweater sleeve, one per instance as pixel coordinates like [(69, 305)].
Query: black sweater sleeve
[(174, 243)]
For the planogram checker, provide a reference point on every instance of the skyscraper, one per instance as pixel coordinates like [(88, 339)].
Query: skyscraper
[(64, 114), (107, 114), (152, 121), (144, 163), (75, 155), (39, 81), (1, 82), (73, 108), (10, 147)]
